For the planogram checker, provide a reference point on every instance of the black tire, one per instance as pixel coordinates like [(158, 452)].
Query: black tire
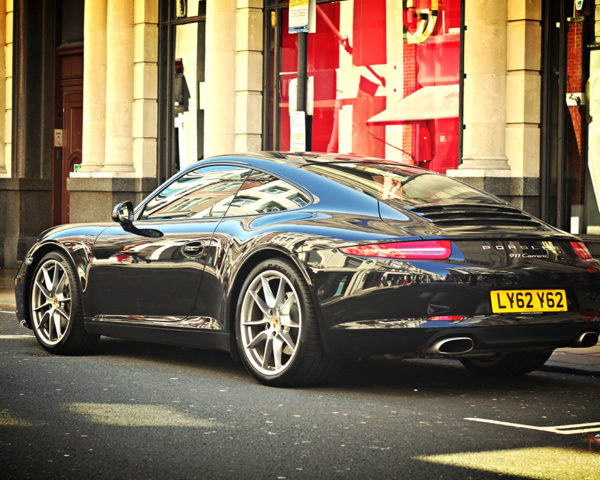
[(55, 306), (290, 327), (505, 364)]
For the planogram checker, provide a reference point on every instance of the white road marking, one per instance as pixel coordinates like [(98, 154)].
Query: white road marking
[(7, 311), (15, 337), (557, 429)]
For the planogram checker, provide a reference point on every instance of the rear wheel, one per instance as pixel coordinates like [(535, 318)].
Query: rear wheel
[(276, 328), (55, 306), (504, 364)]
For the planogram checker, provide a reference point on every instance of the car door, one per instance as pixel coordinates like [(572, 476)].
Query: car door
[(135, 277)]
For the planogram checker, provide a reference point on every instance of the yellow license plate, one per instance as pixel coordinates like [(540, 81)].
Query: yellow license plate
[(519, 301)]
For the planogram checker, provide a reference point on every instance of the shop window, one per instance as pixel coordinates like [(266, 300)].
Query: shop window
[(181, 74), (383, 80)]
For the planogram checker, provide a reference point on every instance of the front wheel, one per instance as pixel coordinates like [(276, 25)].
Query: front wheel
[(505, 364), (55, 306), (276, 328)]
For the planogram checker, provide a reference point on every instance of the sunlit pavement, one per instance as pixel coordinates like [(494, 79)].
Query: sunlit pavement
[(538, 462)]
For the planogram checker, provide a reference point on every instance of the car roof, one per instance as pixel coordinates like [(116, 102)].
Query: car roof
[(300, 159)]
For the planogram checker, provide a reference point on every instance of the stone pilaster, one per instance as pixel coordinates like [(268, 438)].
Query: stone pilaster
[(218, 90), (248, 75), (523, 82), (94, 86), (145, 87)]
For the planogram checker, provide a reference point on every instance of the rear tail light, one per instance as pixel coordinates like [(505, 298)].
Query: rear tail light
[(420, 250), (581, 250)]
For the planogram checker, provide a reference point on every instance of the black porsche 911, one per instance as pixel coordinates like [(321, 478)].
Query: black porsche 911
[(294, 262)]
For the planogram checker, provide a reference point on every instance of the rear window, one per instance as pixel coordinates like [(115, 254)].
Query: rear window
[(397, 183)]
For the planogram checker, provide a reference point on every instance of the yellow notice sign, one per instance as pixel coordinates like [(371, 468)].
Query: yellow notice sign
[(300, 13)]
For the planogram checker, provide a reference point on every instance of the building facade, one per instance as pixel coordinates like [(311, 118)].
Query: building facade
[(101, 100)]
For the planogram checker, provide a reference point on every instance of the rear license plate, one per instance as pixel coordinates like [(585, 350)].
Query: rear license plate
[(519, 301)]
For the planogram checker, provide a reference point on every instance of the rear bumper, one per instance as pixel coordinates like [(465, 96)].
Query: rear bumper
[(347, 343), (372, 305), (410, 318)]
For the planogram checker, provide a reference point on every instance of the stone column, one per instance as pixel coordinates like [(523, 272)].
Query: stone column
[(119, 89), (94, 86), (218, 91), (248, 75), (129, 153), (484, 114)]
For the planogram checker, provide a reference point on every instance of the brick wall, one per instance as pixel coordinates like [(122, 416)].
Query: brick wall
[(576, 132)]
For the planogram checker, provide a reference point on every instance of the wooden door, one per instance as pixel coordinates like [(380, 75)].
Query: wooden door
[(68, 118)]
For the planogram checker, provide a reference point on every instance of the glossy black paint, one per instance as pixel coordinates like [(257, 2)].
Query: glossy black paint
[(161, 288)]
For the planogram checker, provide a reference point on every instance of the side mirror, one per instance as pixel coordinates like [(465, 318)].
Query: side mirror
[(123, 212)]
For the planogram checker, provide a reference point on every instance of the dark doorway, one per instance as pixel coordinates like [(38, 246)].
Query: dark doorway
[(68, 102), (565, 184)]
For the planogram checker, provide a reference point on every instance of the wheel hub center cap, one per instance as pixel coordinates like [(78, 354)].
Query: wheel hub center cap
[(275, 322), (55, 302)]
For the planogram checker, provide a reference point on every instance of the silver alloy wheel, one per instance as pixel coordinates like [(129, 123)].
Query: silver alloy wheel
[(51, 302), (270, 323)]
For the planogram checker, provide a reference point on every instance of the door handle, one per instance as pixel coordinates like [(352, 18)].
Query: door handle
[(193, 248)]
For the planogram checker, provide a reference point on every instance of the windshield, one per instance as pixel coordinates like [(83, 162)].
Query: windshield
[(408, 185)]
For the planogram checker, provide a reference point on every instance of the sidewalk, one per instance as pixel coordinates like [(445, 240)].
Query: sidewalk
[(583, 361)]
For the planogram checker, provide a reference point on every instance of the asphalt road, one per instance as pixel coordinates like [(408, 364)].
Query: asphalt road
[(133, 410)]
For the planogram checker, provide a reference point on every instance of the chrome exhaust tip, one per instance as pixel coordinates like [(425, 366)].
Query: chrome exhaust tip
[(587, 339), (453, 345)]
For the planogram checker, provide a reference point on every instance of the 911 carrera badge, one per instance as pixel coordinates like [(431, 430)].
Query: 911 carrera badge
[(526, 249)]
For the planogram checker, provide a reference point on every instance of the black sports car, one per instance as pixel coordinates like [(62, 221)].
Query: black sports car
[(293, 262)]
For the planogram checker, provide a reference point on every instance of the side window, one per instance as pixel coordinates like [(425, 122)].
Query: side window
[(202, 192), (264, 193)]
